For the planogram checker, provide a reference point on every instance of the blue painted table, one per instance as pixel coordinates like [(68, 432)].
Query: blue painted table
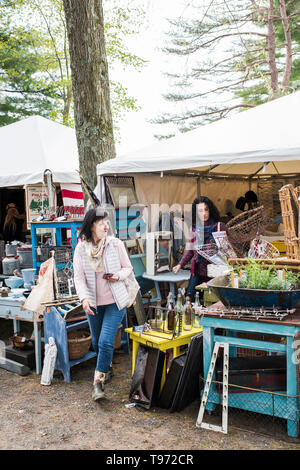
[(286, 404), (170, 277), (11, 309), (73, 225)]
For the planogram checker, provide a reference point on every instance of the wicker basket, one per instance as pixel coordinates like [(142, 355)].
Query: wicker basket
[(19, 341), (243, 228), (79, 343)]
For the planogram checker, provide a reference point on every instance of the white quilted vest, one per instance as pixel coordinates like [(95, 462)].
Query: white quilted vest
[(111, 265)]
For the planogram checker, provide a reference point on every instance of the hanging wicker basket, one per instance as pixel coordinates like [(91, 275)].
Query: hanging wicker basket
[(243, 228), (79, 343)]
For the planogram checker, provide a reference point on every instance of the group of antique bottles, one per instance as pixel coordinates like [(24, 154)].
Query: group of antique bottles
[(179, 316)]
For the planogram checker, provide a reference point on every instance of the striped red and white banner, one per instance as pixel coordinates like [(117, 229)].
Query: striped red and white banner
[(72, 198)]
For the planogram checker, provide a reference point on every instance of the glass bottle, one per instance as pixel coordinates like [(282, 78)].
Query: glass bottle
[(158, 316), (182, 291), (170, 313), (197, 300), (178, 314), (188, 317), (197, 309)]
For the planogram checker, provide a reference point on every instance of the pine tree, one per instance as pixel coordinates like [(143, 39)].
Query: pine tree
[(235, 54)]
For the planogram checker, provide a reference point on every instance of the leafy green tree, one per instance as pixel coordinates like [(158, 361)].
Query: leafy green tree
[(35, 74)]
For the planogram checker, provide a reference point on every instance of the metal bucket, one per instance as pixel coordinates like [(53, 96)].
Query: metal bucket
[(28, 276), (9, 264), (10, 249), (238, 297), (25, 254)]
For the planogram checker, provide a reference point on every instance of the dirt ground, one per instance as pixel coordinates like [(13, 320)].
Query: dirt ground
[(64, 417)]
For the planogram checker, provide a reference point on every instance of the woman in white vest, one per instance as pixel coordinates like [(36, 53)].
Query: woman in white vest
[(101, 264)]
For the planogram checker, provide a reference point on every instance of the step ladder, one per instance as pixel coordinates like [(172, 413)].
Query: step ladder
[(200, 423)]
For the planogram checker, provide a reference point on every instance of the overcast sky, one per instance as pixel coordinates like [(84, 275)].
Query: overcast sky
[(148, 85)]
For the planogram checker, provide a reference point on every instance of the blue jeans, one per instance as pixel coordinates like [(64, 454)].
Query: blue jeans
[(104, 326), (194, 281)]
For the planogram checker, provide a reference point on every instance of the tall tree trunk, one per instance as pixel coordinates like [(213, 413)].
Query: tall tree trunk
[(271, 51), (92, 110), (288, 45), (67, 103)]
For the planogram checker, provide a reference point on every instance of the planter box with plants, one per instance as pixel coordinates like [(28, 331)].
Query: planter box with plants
[(257, 285)]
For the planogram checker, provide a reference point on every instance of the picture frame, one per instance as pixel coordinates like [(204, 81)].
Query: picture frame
[(120, 191), (37, 201)]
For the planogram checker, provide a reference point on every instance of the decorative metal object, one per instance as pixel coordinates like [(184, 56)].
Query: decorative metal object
[(247, 312), (158, 252)]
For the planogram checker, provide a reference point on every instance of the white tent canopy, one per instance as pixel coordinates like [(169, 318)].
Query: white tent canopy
[(237, 145), (30, 146)]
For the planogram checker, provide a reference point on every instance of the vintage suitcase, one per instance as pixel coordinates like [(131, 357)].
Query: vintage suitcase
[(146, 380), (263, 373), (25, 357), (169, 389), (188, 387)]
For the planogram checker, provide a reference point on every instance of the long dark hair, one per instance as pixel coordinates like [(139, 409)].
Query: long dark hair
[(214, 214), (92, 215)]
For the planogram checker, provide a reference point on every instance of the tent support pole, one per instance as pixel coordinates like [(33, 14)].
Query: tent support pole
[(198, 186)]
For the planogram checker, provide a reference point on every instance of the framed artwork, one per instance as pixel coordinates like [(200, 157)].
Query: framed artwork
[(37, 201), (121, 193)]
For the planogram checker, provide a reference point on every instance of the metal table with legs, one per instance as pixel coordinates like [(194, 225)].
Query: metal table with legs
[(170, 278), (10, 309), (162, 341), (287, 403)]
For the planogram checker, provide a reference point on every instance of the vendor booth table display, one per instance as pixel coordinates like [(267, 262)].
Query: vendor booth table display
[(11, 309), (60, 324), (162, 341), (282, 403), (171, 278), (72, 225), (259, 297), (167, 328), (66, 322)]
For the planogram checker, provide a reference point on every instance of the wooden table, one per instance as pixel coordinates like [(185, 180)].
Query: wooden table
[(287, 403), (162, 341), (10, 309)]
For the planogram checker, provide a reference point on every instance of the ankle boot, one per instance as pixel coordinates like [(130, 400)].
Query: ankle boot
[(109, 375), (98, 391)]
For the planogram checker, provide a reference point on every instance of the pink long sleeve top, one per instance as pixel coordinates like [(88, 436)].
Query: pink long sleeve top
[(104, 294)]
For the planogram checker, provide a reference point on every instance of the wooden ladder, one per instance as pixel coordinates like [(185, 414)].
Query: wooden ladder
[(200, 423)]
